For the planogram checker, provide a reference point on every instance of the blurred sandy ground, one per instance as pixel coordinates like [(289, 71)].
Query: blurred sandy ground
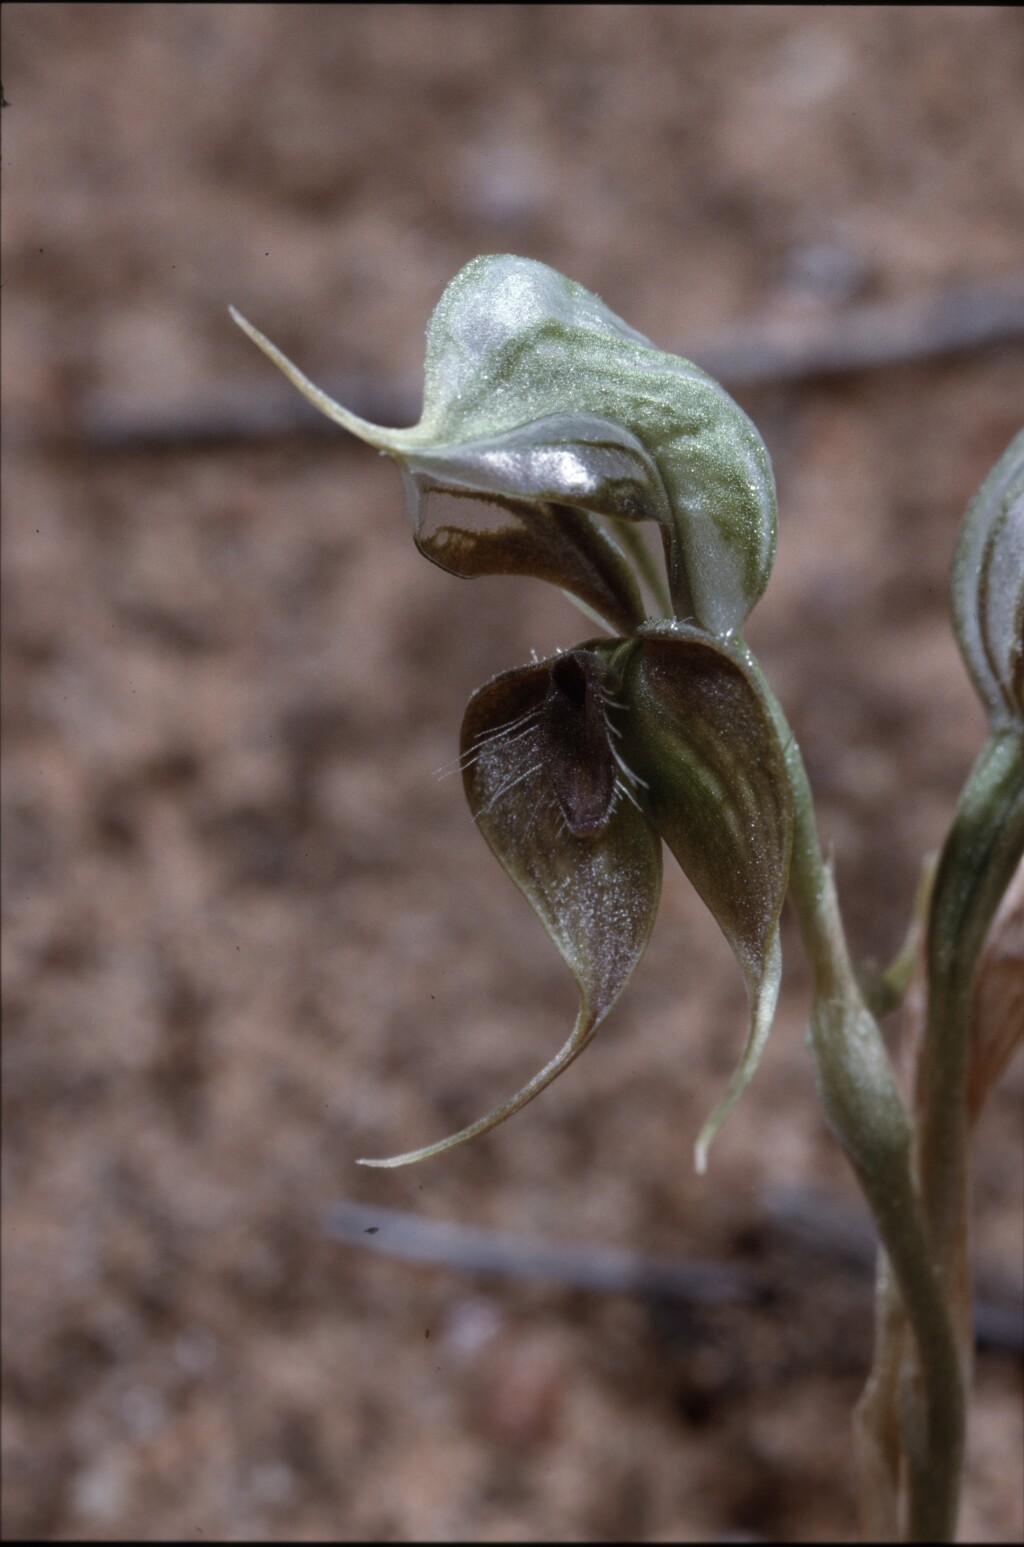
[(248, 936)]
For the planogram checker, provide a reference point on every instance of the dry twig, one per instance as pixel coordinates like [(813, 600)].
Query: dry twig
[(865, 337), (809, 1223)]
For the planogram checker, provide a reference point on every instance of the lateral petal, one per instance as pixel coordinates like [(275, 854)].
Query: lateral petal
[(702, 740)]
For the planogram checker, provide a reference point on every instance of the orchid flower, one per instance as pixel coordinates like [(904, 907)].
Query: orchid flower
[(550, 428), (550, 431)]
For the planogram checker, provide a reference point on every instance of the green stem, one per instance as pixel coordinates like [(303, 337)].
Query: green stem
[(859, 1094), (878, 1429), (981, 853), (885, 988)]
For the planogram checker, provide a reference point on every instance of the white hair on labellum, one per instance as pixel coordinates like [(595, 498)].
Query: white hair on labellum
[(565, 743), (634, 778), (506, 788), (484, 741)]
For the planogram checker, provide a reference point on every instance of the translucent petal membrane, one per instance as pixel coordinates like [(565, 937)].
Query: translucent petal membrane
[(700, 737), (987, 587), (544, 786), (468, 534)]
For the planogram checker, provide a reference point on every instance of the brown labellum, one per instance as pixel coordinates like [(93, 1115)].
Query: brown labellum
[(574, 730), (538, 771)]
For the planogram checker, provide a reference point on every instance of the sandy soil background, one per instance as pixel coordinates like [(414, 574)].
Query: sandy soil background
[(248, 935)]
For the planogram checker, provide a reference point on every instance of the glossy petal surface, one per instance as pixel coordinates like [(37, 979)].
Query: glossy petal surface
[(513, 342), (528, 372), (987, 589)]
